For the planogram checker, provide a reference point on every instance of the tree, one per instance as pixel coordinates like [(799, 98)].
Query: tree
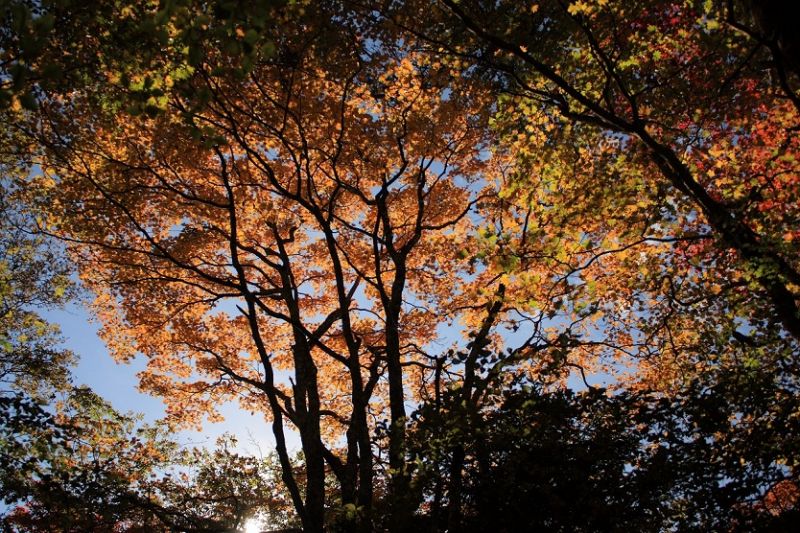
[(601, 461), (684, 147), (31, 277), (222, 490), (647, 217), (276, 234), (89, 468), (287, 206), (73, 470), (52, 46)]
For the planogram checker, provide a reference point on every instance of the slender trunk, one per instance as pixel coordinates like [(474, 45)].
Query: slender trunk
[(400, 513), (309, 517), (310, 438), (467, 407), (359, 455), (436, 506), (306, 398), (454, 492), (307, 405), (365, 464)]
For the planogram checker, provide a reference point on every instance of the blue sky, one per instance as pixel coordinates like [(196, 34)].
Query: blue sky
[(117, 383)]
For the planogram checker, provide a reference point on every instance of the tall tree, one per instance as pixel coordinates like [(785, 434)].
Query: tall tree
[(652, 174), (287, 206), (285, 232), (646, 224)]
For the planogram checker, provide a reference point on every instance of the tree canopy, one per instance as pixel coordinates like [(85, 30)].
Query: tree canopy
[(512, 264)]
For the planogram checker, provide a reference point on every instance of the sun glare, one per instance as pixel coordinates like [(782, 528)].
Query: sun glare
[(253, 526)]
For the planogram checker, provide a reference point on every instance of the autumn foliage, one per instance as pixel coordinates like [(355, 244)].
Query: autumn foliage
[(426, 235)]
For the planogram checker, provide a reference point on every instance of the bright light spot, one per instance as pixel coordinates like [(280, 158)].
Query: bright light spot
[(252, 526)]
